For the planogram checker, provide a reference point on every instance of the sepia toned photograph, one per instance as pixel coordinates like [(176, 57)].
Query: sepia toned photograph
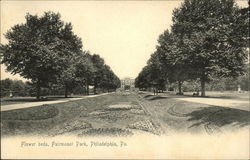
[(128, 79)]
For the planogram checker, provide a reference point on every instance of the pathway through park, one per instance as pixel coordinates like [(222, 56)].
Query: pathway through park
[(231, 103), (34, 104)]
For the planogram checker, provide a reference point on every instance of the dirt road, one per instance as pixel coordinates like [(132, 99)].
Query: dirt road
[(237, 104)]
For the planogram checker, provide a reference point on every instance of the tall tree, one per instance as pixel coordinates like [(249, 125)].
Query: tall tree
[(6, 87), (85, 70), (208, 29), (35, 48), (70, 50), (142, 81), (173, 61), (109, 81), (99, 72)]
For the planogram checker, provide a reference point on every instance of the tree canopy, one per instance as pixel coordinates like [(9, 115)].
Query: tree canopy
[(46, 51), (207, 39)]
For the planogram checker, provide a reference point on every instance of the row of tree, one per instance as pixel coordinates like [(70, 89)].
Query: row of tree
[(14, 87), (47, 52), (208, 40), (238, 84)]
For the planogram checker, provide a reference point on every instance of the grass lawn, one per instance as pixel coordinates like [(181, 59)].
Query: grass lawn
[(122, 114)]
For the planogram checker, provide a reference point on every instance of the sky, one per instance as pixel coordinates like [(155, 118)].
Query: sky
[(124, 33)]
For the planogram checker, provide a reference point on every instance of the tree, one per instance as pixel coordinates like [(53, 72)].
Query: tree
[(172, 54), (242, 25), (109, 81), (67, 78), (142, 81), (70, 51), (37, 48), (85, 70), (19, 88), (15, 87), (6, 87), (209, 32), (99, 66), (92, 70), (156, 75)]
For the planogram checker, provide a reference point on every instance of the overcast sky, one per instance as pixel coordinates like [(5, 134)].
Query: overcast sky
[(124, 33)]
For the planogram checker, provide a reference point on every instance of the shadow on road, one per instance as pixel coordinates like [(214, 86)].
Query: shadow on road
[(220, 116), (157, 97), (154, 97), (148, 96)]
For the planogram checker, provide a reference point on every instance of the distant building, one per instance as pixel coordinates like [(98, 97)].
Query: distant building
[(127, 83)]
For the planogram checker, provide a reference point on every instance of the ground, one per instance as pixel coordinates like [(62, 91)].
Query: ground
[(125, 114)]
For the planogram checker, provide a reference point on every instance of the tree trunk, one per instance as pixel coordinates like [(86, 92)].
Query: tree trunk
[(87, 87), (203, 88), (66, 91), (203, 85), (38, 90), (179, 87), (95, 86), (94, 89)]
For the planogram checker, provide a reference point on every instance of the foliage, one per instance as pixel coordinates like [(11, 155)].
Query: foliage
[(46, 51), (104, 77), (210, 31), (35, 48), (15, 87), (208, 40)]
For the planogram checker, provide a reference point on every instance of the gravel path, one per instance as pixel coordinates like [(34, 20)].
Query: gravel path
[(237, 104)]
